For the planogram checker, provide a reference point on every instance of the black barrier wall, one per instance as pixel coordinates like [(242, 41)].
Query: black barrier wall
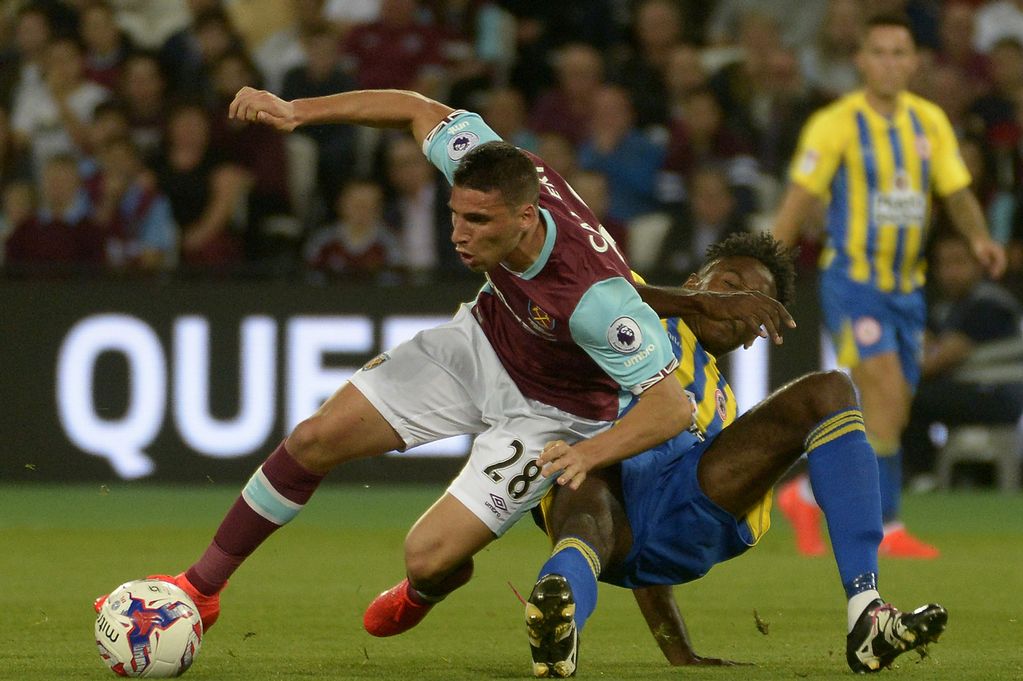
[(196, 381)]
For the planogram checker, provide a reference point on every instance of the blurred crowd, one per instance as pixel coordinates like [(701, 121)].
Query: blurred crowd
[(674, 119)]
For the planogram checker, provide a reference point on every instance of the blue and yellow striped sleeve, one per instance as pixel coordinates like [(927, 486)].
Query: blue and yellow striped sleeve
[(820, 152)]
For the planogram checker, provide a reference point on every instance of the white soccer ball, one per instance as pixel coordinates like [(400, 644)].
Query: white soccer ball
[(149, 628)]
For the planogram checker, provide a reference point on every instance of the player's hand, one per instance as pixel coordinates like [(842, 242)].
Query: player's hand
[(990, 254), (759, 312), (564, 461), (260, 106)]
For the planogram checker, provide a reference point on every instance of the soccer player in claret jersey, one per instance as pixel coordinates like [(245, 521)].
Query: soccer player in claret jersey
[(874, 156), (668, 515), (555, 340)]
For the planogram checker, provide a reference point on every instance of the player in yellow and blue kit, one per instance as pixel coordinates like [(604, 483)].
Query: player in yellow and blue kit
[(670, 514), (875, 157)]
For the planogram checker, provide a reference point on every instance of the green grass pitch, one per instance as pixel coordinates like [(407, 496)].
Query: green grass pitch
[(294, 611)]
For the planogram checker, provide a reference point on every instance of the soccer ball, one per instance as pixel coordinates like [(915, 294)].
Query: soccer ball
[(148, 628)]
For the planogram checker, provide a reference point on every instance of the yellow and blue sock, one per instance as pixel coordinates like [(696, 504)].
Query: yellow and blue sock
[(577, 562), (844, 478)]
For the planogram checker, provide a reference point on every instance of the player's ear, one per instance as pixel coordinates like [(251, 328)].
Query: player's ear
[(529, 214), (693, 281)]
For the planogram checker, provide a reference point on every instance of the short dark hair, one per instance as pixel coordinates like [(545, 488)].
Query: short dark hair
[(500, 166), (778, 258), (887, 19)]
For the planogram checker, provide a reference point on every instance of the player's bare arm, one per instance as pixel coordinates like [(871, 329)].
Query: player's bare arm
[(797, 207), (663, 411), (968, 218), (373, 108), (660, 610), (760, 313)]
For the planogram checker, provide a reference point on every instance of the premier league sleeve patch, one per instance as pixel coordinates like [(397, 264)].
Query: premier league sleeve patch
[(460, 144), (625, 336)]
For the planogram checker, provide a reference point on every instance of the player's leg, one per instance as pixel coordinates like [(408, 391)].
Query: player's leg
[(438, 559), (589, 529)]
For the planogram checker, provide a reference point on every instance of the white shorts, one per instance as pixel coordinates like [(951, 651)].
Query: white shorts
[(448, 381)]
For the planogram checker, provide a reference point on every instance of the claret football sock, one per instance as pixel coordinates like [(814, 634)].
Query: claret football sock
[(843, 474), (577, 562), (274, 495)]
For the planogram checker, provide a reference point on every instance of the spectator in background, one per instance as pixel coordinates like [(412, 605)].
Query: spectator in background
[(188, 58), (321, 75), (13, 163), (54, 120), (799, 20), (419, 210), (710, 216), (261, 151), (204, 189), (657, 27), (143, 92), (396, 51), (827, 62), (61, 233), (568, 108), (632, 163), (344, 15), (703, 137), (968, 313), (504, 109), (948, 87), (736, 84), (559, 152), (685, 74), (17, 204), (997, 108), (998, 201), (21, 64), (592, 188), (956, 49), (779, 105), (133, 213), (998, 20), (359, 244), (106, 45), (285, 49)]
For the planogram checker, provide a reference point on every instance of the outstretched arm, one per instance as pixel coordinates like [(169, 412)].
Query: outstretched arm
[(374, 108), (660, 609), (760, 313)]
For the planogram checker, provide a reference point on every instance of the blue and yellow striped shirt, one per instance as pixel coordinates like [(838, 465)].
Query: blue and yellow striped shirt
[(877, 175)]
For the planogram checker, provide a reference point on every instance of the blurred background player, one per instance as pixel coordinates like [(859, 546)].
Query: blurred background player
[(874, 157), (668, 515)]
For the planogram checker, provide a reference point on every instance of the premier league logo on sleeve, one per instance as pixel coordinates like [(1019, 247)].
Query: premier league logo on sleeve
[(460, 144), (624, 335)]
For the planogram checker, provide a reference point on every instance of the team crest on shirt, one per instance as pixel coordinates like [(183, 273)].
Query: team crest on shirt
[(539, 319), (867, 331), (376, 361), (923, 147), (624, 335), (461, 143), (721, 403)]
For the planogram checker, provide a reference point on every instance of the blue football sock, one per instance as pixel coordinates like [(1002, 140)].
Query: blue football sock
[(843, 475), (577, 562), (889, 468)]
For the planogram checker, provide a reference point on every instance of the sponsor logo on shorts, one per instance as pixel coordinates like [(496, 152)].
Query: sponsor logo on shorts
[(376, 361), (497, 506), (460, 144), (867, 331), (625, 336)]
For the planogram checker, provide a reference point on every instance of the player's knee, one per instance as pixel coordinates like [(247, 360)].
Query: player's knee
[(829, 392), (425, 565), (311, 444)]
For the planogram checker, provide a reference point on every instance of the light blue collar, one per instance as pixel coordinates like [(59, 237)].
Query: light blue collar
[(548, 246)]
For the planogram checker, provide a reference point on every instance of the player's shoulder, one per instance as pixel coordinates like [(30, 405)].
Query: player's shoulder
[(836, 120), (929, 112)]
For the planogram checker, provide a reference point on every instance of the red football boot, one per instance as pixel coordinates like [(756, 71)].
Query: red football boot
[(208, 606), (898, 543), (394, 612), (805, 518)]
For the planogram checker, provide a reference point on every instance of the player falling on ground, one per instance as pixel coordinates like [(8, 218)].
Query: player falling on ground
[(874, 157), (555, 339), (668, 515)]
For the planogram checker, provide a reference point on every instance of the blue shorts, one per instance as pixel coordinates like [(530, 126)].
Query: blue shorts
[(678, 533), (864, 322)]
